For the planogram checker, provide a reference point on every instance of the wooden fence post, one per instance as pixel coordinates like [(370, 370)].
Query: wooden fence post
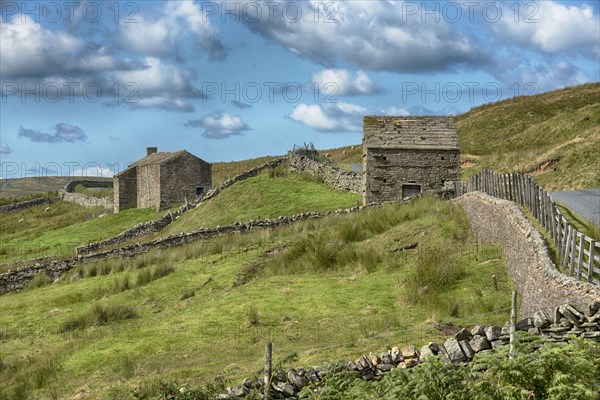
[(567, 241), (559, 233), (591, 263), (513, 324), (267, 378), (580, 255)]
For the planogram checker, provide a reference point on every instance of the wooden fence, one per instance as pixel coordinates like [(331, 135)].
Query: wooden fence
[(577, 253)]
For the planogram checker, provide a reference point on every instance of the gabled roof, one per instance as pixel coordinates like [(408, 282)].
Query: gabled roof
[(410, 132), (161, 158), (158, 158)]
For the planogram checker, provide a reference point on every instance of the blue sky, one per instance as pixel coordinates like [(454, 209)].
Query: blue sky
[(86, 86)]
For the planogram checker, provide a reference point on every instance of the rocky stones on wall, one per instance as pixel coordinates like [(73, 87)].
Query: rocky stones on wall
[(346, 180), (24, 205), (85, 200), (68, 194), (539, 282), (17, 279), (460, 348), (159, 224)]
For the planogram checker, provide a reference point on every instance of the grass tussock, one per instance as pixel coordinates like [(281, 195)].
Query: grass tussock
[(148, 275), (434, 272), (279, 171), (99, 315), (187, 294), (334, 244), (37, 281), (339, 305)]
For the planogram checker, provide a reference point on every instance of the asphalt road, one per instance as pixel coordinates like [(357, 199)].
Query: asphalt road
[(584, 202)]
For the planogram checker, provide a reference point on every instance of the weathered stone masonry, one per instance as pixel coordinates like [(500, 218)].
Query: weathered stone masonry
[(565, 321), (67, 194), (346, 180), (160, 223), (538, 281), (403, 156), (17, 279), (161, 179), (24, 205)]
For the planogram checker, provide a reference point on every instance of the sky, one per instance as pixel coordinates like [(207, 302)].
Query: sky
[(86, 86)]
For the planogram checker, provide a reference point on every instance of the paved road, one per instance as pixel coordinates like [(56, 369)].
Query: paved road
[(584, 202)]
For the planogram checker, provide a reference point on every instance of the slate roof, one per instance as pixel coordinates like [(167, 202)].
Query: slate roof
[(158, 158), (161, 158), (410, 132)]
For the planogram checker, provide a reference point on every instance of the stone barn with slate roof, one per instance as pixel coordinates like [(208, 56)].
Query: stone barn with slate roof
[(404, 156), (161, 179)]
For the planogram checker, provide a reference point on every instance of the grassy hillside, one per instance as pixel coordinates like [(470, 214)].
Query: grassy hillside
[(15, 188), (221, 171), (35, 232), (320, 290), (265, 196), (555, 136)]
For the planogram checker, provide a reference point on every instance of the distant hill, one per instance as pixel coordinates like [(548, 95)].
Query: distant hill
[(29, 186), (554, 136)]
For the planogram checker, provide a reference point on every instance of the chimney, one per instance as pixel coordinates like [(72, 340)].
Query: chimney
[(151, 150)]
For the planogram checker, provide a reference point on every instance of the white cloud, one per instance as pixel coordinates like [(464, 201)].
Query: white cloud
[(340, 82), (159, 85), (557, 28), (372, 35), (338, 117), (219, 125), (333, 117), (34, 57), (29, 50), (94, 171), (164, 103), (181, 31)]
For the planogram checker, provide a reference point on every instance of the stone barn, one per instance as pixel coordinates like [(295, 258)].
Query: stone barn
[(161, 179), (404, 156)]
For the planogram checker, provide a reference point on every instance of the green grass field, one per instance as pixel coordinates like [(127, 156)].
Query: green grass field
[(35, 232), (321, 290), (265, 196)]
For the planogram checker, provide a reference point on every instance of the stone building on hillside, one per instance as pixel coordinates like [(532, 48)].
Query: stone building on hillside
[(161, 179), (404, 156)]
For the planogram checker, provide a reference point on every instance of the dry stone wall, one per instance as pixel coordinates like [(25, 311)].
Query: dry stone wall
[(346, 180), (24, 205), (67, 194), (85, 200), (245, 175), (539, 282), (19, 278), (70, 187), (581, 320), (160, 223)]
